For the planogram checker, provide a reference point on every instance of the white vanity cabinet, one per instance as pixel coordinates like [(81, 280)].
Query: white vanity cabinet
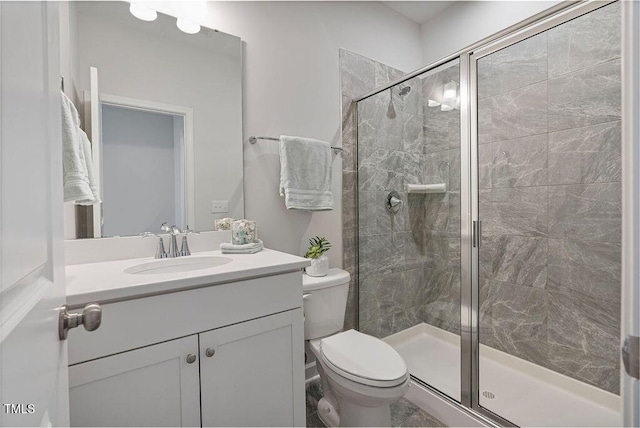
[(151, 386), (228, 354)]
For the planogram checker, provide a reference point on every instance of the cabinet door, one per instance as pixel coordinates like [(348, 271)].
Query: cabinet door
[(150, 386), (256, 375)]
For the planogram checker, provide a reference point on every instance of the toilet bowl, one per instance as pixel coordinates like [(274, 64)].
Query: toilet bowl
[(361, 375)]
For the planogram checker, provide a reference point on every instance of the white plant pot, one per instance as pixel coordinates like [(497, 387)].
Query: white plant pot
[(319, 266)]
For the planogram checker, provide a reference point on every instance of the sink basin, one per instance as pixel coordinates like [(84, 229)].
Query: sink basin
[(182, 264)]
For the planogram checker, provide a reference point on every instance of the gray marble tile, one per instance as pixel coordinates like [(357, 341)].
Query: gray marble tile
[(585, 269), (348, 134), (514, 163), (442, 299), (348, 211), (485, 121), (357, 74), (454, 170), (515, 211), (378, 252), (515, 260), (380, 169), (598, 371), (437, 249), (453, 221), (589, 212), (436, 209), (385, 74), (436, 168), (413, 141), (518, 321), (375, 129), (413, 168), (513, 67), (589, 327), (441, 129), (519, 113), (406, 414), (413, 247), (591, 154), (585, 97), (588, 40)]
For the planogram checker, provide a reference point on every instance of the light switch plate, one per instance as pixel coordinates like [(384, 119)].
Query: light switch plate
[(219, 206)]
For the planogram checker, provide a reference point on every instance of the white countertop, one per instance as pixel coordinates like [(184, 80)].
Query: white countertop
[(106, 281)]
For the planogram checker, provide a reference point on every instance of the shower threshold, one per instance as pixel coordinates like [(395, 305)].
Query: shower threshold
[(517, 390)]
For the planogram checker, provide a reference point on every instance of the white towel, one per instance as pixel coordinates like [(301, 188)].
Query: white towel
[(305, 174), (79, 183), (254, 247)]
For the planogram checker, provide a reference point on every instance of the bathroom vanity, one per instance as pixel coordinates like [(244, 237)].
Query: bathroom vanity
[(216, 346)]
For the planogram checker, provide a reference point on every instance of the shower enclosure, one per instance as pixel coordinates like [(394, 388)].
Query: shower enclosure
[(489, 221)]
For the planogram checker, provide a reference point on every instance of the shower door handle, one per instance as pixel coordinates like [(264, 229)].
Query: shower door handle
[(476, 230), (631, 356)]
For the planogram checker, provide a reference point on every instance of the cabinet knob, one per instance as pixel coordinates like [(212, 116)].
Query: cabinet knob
[(209, 352), (191, 358)]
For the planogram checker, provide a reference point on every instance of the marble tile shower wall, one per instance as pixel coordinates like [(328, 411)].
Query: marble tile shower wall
[(358, 75), (410, 261), (550, 198)]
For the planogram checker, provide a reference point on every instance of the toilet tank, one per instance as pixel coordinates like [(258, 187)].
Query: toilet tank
[(325, 302)]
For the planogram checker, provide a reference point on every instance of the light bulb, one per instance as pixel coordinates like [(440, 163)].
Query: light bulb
[(142, 12), (449, 94), (187, 26)]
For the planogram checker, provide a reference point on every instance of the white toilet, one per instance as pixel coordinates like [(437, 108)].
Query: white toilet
[(361, 375)]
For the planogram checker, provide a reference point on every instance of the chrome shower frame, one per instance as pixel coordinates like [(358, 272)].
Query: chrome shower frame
[(469, 219)]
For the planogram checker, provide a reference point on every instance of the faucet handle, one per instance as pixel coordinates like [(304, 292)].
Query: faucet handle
[(160, 251)]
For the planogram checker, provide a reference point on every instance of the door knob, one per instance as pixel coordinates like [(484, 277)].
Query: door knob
[(191, 358), (90, 318), (210, 352)]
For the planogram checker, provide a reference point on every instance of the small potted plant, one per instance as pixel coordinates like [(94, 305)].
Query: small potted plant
[(319, 262)]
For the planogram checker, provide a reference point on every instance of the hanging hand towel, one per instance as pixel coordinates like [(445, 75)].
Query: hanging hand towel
[(79, 183), (305, 174)]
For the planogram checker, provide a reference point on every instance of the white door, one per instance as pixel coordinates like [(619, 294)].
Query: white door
[(252, 374), (158, 385), (33, 361)]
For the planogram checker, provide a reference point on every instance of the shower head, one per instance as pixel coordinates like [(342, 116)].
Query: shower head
[(404, 91)]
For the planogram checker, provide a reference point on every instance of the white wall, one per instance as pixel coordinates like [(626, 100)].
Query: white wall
[(466, 22), (291, 86)]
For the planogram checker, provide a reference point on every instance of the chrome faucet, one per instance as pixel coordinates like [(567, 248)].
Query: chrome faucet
[(173, 232)]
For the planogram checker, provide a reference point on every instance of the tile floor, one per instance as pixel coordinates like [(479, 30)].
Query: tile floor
[(403, 413)]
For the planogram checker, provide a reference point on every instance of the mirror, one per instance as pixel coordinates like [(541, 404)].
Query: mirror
[(167, 106)]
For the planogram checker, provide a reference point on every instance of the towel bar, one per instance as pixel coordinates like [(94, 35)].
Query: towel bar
[(254, 140)]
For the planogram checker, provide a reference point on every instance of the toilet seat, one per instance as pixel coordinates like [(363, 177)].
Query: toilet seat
[(363, 359)]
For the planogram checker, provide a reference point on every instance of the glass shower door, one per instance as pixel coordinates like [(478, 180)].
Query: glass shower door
[(409, 254), (549, 207)]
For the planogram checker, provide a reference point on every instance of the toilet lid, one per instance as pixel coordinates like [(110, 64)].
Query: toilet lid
[(362, 357)]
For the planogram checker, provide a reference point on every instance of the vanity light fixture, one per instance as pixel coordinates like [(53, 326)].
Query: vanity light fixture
[(433, 103), (187, 26), (143, 12)]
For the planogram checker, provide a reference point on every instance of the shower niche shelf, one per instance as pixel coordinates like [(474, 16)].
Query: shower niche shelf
[(427, 188)]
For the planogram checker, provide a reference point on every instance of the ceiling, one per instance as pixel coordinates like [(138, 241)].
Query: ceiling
[(419, 11)]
